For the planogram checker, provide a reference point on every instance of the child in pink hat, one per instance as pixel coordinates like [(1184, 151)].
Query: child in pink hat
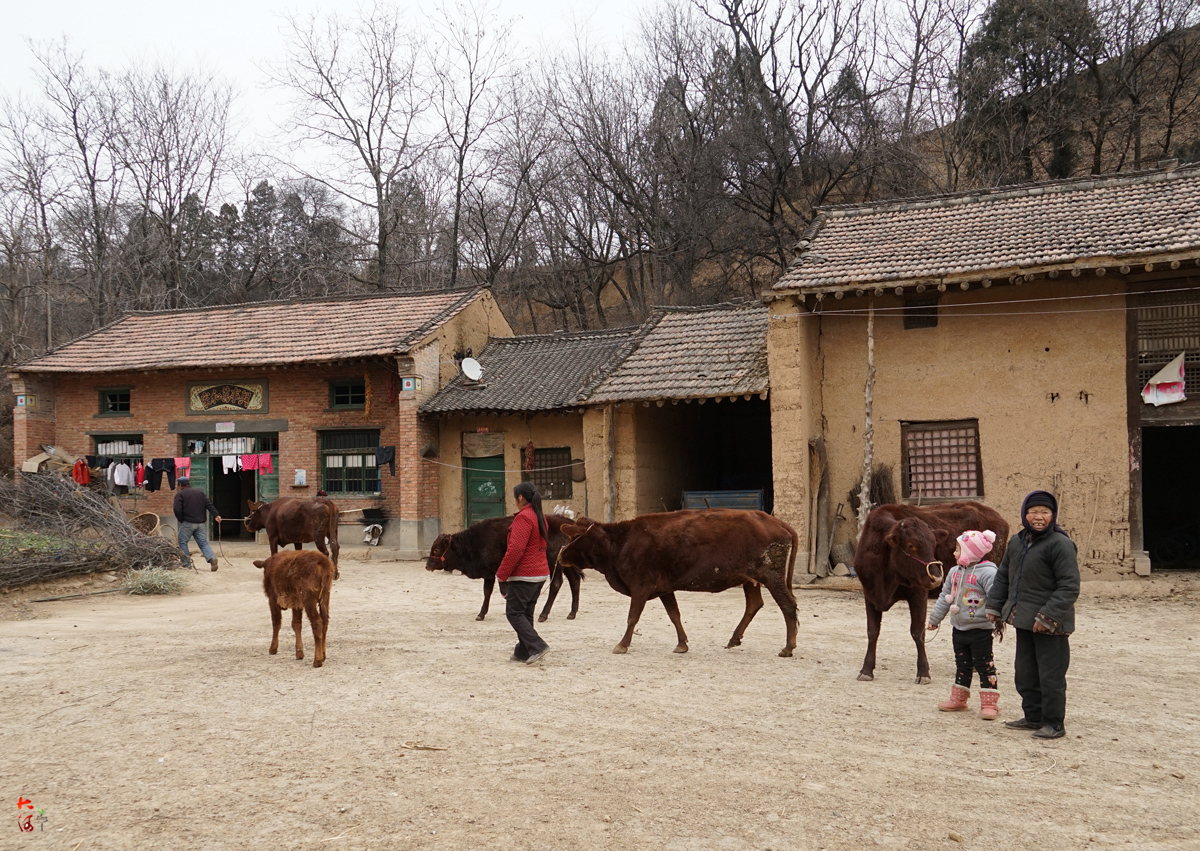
[(964, 596)]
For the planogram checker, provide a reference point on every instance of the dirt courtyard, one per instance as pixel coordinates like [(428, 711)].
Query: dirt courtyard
[(162, 722)]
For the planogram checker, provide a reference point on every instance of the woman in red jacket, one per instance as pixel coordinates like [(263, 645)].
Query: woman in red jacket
[(524, 571)]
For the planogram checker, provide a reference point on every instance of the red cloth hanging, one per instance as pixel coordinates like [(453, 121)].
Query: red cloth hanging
[(80, 472)]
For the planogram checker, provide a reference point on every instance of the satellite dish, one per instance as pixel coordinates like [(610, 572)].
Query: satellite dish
[(472, 369)]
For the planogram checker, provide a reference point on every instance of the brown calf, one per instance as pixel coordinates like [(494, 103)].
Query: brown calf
[(300, 581)]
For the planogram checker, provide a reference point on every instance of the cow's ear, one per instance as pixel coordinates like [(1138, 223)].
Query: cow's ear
[(254, 506), (892, 538), (940, 535), (260, 564), (571, 530)]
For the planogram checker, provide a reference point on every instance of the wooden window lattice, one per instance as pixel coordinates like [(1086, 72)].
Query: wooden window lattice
[(941, 460), (348, 462), (1167, 324), (551, 472)]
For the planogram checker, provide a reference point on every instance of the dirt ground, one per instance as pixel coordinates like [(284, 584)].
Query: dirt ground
[(163, 722)]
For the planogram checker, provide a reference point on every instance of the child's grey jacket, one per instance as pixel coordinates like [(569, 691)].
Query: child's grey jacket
[(967, 588)]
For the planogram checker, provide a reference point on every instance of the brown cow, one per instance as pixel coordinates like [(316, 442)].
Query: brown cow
[(293, 520), (713, 550), (902, 556), (476, 552), (300, 582)]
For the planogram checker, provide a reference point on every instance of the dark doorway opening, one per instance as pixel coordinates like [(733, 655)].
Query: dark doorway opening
[(231, 492), (1171, 496)]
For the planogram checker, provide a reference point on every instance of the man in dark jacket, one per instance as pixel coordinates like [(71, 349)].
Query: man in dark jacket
[(1035, 590), (190, 507)]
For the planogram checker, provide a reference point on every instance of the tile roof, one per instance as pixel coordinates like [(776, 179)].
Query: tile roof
[(536, 373), (260, 333), (691, 353), (1004, 231)]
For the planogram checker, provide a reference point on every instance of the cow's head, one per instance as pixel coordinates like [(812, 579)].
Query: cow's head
[(437, 553), (914, 547), (582, 536), (254, 520)]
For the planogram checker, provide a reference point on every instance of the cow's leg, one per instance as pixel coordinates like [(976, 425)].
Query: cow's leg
[(334, 549), (317, 622), (299, 545), (321, 545), (273, 542), (573, 577), (489, 582), (636, 604), (297, 626), (918, 603), (672, 606), (276, 623), (754, 602), (874, 619), (555, 583), (785, 598)]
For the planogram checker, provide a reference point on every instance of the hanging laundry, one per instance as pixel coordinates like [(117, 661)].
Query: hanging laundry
[(139, 474), (386, 455), (249, 462), (80, 472), (264, 463), (183, 467), (123, 474), (229, 463), (154, 474)]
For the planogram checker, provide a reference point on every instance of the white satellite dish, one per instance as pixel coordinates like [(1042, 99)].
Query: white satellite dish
[(472, 369)]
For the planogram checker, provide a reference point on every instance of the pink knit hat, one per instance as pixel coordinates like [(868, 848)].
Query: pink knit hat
[(974, 545)]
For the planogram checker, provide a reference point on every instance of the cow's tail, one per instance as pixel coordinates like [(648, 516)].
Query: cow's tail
[(791, 568)]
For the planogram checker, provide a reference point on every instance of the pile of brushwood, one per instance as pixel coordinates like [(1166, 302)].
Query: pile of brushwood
[(62, 529)]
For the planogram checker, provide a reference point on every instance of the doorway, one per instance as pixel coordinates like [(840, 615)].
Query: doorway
[(483, 485), (1171, 496), (231, 492)]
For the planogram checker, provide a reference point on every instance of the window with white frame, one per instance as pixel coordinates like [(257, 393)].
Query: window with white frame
[(348, 462)]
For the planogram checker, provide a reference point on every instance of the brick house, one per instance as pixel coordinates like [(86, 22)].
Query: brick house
[(619, 420), (1014, 330), (316, 385)]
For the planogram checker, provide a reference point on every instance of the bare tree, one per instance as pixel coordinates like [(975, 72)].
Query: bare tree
[(472, 61), (361, 95)]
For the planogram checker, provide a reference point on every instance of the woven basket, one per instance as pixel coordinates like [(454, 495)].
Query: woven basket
[(147, 523)]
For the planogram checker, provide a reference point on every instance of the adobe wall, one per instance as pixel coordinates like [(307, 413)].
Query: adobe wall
[(1047, 389), (661, 467), (793, 359), (547, 431), (33, 426)]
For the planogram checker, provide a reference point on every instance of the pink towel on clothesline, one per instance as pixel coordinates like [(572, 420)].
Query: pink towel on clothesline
[(249, 462), (264, 463)]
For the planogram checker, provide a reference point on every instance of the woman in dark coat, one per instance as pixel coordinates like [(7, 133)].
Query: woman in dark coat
[(524, 571), (1035, 590)]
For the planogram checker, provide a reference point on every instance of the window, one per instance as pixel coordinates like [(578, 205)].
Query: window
[(348, 394), (1167, 324), (348, 462), (115, 403), (941, 460), (551, 472), (920, 311), (126, 447)]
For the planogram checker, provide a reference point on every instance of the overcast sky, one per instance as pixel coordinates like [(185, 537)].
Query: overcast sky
[(235, 37)]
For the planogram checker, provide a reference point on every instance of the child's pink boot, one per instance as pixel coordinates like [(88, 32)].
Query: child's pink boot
[(989, 704), (957, 701)]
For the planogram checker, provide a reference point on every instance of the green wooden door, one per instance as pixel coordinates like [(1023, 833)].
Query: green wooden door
[(483, 485), (268, 483)]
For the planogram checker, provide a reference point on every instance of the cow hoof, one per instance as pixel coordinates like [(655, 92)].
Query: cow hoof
[(336, 575), (682, 648), (542, 618), (924, 681), (733, 642), (620, 649), (479, 617), (317, 664), (785, 652), (866, 678), (299, 654), (571, 616), (273, 650)]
